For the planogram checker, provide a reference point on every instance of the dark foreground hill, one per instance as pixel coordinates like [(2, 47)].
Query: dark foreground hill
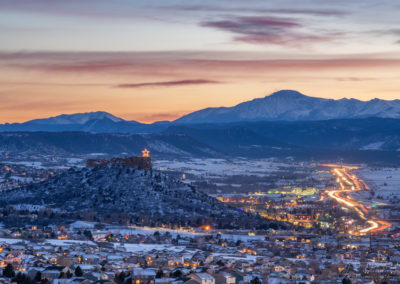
[(129, 196)]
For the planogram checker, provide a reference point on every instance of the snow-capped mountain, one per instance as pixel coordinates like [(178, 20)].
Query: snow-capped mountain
[(292, 105), (98, 121), (285, 105), (77, 118)]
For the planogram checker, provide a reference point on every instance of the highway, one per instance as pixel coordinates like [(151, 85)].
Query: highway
[(349, 183)]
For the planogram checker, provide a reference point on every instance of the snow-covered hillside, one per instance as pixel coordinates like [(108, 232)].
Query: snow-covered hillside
[(77, 118), (125, 195), (292, 105)]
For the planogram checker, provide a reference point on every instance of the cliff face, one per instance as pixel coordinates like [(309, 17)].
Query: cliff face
[(140, 163)]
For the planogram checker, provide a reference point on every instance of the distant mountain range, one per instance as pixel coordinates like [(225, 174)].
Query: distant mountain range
[(293, 106), (285, 105), (284, 124), (95, 122)]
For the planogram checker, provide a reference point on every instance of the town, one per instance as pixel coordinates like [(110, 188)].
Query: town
[(319, 232), (87, 252), (199, 142)]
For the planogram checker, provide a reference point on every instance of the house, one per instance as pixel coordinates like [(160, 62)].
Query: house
[(224, 278), (143, 276), (90, 259), (74, 280), (53, 272), (240, 278), (32, 272), (202, 278)]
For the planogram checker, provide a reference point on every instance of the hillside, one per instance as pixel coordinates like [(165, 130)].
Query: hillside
[(124, 195), (78, 143), (94, 122), (352, 140), (338, 134), (291, 105)]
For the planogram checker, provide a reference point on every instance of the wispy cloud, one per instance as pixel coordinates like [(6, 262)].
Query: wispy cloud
[(173, 66), (259, 10), (267, 30), (354, 79), (168, 83)]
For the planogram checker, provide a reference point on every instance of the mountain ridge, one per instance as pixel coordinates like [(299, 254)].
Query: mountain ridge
[(283, 105), (76, 118), (292, 105), (354, 140)]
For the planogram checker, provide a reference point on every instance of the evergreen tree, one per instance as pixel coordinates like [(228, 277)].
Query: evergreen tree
[(346, 280), (9, 271), (38, 277), (18, 277), (160, 273), (78, 271), (44, 281), (120, 278), (177, 273), (88, 234)]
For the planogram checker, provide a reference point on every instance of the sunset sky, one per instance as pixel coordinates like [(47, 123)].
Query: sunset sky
[(157, 60)]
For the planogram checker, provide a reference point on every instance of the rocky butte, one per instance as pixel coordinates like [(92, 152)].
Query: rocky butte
[(140, 163)]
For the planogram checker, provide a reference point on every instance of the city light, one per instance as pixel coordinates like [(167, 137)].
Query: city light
[(353, 184)]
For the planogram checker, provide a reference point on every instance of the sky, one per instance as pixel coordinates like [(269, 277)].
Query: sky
[(158, 60)]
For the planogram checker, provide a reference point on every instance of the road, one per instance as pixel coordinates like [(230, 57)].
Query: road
[(349, 183)]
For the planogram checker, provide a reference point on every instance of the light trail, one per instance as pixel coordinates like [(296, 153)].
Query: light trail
[(335, 195), (374, 225), (354, 184)]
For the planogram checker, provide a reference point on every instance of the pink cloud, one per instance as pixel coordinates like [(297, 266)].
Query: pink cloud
[(268, 30), (168, 83), (173, 65)]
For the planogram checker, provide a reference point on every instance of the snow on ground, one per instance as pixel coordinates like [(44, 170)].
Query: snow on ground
[(28, 207), (22, 179), (373, 146), (243, 238), (74, 160), (149, 247), (37, 165), (67, 242), (150, 231), (10, 241), (219, 167), (82, 225), (384, 181), (146, 231), (165, 147), (250, 258)]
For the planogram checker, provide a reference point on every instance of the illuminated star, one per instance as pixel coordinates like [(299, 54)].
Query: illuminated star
[(146, 153)]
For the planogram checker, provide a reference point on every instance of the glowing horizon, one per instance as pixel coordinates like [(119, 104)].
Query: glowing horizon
[(147, 61)]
